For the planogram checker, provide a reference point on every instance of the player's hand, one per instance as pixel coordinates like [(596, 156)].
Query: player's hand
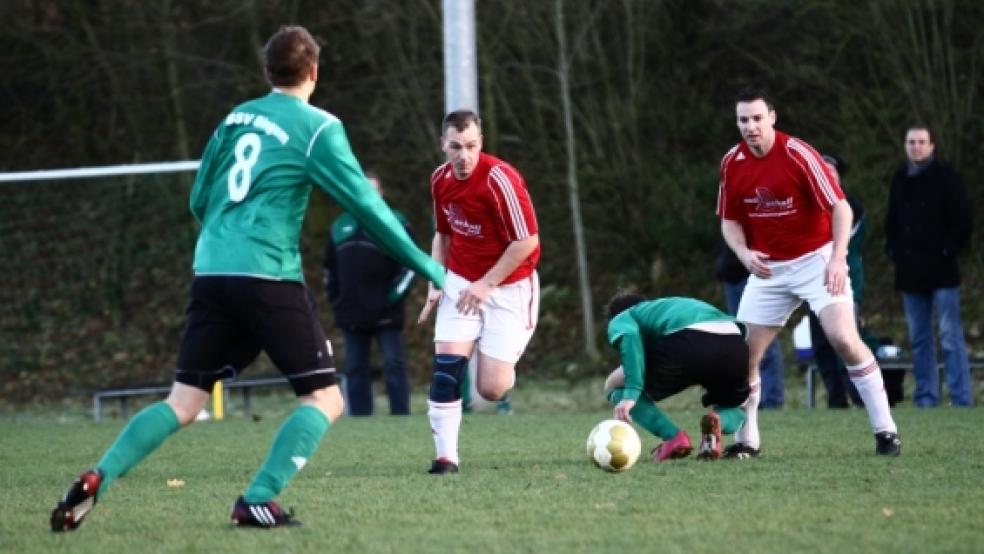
[(621, 411), (433, 299), (471, 299), (835, 276), (755, 263)]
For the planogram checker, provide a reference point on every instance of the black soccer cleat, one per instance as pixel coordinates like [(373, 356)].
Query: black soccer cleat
[(264, 514), (443, 466), (80, 498), (887, 443), (740, 451)]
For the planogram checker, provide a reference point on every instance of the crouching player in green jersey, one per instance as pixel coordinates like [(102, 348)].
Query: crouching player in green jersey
[(248, 294), (667, 345)]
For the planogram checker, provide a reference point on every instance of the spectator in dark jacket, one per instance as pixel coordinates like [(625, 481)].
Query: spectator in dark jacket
[(367, 290), (840, 389), (928, 221)]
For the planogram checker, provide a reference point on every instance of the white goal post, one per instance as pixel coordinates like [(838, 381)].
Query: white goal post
[(99, 171)]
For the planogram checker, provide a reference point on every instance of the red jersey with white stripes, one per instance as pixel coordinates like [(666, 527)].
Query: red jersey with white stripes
[(783, 200), (483, 214)]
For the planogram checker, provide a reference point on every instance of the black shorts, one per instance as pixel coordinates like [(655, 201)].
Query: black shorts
[(719, 363), (230, 319)]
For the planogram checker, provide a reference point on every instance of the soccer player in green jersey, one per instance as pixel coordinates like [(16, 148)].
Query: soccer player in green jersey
[(250, 196), (667, 345)]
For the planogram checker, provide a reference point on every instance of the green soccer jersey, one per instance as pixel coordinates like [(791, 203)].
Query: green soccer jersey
[(252, 190), (648, 321)]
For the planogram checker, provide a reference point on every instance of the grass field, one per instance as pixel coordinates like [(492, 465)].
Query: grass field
[(525, 486)]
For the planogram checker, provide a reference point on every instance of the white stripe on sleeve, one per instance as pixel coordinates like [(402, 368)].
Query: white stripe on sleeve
[(512, 202)]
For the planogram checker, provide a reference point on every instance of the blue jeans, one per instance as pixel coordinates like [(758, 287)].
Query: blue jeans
[(771, 368), (358, 373), (919, 311)]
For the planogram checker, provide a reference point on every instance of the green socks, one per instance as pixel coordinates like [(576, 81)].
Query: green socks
[(144, 433), (647, 415), (731, 419), (295, 443)]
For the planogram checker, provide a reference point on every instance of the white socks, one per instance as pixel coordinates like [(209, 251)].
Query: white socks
[(445, 420), (867, 378), (749, 432)]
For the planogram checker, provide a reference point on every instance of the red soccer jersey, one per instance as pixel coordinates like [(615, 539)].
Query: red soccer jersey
[(482, 215), (782, 200)]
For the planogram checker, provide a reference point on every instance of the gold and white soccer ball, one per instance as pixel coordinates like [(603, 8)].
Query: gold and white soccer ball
[(614, 445)]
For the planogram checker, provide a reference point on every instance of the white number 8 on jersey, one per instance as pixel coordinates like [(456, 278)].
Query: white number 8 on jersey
[(240, 174)]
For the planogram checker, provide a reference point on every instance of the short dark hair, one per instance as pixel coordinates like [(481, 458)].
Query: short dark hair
[(753, 93), (838, 163), (920, 126), (460, 119), (623, 300), (289, 54)]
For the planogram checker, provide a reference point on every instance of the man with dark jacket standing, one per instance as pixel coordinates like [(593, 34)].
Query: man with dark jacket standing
[(928, 221), (367, 289)]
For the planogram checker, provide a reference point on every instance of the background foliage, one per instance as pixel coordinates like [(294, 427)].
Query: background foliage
[(95, 272)]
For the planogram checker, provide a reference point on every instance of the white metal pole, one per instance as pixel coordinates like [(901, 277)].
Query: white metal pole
[(460, 56)]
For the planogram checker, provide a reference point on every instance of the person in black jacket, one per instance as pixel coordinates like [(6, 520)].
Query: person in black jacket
[(838, 383), (367, 290), (927, 223)]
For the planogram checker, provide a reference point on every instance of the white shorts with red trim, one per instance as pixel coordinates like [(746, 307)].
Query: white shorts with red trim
[(771, 301), (504, 326)]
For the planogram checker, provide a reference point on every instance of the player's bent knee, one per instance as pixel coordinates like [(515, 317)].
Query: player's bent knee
[(446, 381), (187, 402), (329, 400), (492, 392), (616, 379)]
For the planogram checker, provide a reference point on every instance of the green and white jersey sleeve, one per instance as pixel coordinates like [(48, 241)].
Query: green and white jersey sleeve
[(647, 322), (254, 184)]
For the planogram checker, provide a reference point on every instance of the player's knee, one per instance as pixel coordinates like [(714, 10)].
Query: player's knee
[(187, 402), (329, 400), (493, 391), (446, 381), (616, 379)]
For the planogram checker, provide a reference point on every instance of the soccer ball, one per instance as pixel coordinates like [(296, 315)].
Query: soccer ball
[(614, 445)]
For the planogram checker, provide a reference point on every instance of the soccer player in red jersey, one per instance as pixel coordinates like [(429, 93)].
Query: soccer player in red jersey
[(486, 234), (784, 214)]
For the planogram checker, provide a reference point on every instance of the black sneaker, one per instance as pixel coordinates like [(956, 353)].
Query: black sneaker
[(80, 498), (442, 466), (887, 443), (740, 451), (264, 514)]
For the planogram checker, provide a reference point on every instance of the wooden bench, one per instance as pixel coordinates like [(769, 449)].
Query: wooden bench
[(124, 393), (886, 365)]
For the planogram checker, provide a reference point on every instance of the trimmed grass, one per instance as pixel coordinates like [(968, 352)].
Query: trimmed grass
[(525, 486)]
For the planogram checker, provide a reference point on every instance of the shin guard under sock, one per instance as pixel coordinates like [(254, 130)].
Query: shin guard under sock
[(141, 436), (293, 446)]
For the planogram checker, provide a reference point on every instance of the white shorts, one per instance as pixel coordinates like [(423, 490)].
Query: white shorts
[(771, 301), (504, 326)]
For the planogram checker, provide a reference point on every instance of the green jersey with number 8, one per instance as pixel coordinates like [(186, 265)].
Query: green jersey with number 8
[(253, 186)]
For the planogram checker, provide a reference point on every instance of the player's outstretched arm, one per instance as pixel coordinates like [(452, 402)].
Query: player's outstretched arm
[(333, 167), (439, 251)]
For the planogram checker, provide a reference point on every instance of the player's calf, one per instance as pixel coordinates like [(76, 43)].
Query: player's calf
[(444, 410)]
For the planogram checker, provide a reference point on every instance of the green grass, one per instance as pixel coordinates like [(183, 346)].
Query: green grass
[(525, 486)]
